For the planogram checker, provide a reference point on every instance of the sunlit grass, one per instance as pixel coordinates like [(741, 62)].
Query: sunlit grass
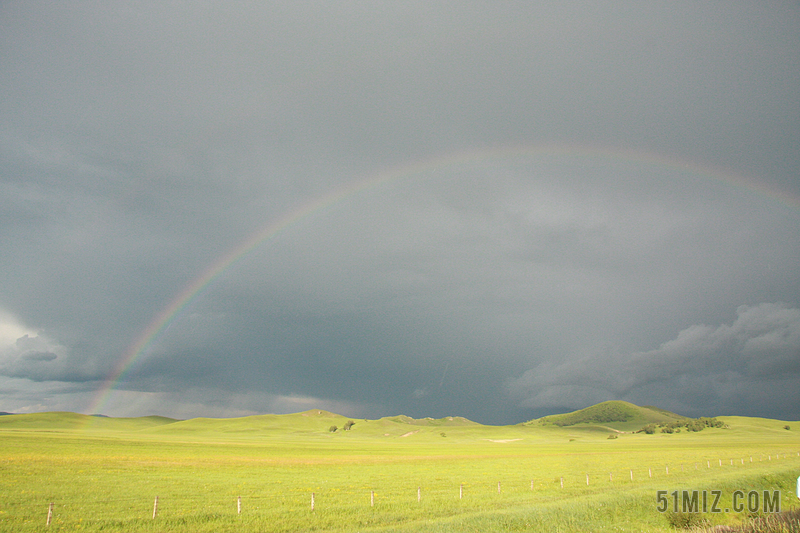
[(106, 475)]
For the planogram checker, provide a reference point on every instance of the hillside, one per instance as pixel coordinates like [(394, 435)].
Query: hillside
[(617, 415)]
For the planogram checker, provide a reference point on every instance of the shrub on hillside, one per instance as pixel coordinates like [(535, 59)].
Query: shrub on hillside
[(686, 520), (711, 422), (695, 425), (698, 424)]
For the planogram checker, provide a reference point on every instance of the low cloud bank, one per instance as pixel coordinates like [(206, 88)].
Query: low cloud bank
[(747, 368)]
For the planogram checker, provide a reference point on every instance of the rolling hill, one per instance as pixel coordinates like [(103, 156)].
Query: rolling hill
[(614, 415), (607, 417), (69, 421), (313, 422)]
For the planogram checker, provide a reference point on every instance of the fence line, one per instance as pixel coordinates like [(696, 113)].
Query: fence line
[(432, 493)]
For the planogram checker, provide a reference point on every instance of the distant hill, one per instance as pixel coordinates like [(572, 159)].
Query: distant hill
[(613, 417), (69, 421), (616, 415), (447, 421), (313, 421)]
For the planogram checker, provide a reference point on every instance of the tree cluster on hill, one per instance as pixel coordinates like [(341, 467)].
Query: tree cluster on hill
[(347, 426), (690, 424)]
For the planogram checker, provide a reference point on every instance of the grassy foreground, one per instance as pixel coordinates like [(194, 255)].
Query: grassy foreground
[(392, 474)]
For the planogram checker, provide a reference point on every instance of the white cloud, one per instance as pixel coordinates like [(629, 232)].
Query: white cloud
[(11, 329), (26, 354)]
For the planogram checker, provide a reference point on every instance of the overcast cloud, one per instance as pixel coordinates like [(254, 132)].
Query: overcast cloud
[(651, 253)]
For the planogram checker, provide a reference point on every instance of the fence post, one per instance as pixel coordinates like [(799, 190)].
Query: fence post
[(372, 498), (419, 493), (460, 491), (498, 487), (562, 482), (631, 475), (587, 479), (312, 501), (667, 469), (155, 508), (239, 505), (649, 472), (49, 513)]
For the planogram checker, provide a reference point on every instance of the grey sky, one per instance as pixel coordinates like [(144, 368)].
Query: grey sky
[(143, 142)]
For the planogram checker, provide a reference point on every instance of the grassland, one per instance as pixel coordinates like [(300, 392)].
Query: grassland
[(103, 474)]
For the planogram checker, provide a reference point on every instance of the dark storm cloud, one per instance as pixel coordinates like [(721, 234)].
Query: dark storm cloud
[(142, 142), (420, 303), (40, 356)]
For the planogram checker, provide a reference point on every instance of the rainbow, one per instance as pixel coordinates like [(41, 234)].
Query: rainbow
[(162, 320)]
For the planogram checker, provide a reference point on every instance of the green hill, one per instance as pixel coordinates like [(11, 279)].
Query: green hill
[(616, 415)]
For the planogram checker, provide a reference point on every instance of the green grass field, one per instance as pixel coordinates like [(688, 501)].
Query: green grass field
[(104, 474)]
